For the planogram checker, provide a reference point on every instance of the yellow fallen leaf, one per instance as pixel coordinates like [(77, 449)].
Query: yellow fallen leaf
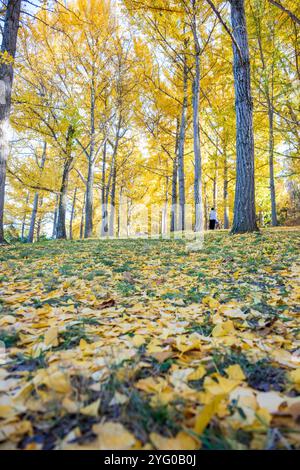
[(51, 337), (206, 414), (197, 374), (58, 381), (235, 372), (295, 376), (118, 399), (92, 409), (223, 329), (182, 441), (113, 436)]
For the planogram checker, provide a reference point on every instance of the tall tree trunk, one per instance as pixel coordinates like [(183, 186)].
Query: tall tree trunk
[(39, 222), (72, 214), (82, 218), (55, 218), (103, 195), (244, 204), (113, 203), (269, 94), (33, 218), (36, 201), (61, 232), (215, 186), (196, 129), (225, 193), (180, 157), (88, 230), (164, 221), (24, 218), (174, 182), (205, 205), (9, 43)]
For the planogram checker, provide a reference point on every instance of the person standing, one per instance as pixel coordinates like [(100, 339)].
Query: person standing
[(212, 219)]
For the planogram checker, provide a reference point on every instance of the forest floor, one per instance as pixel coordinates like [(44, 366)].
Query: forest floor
[(139, 344)]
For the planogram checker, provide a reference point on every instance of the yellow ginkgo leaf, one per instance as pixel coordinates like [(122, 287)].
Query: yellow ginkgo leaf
[(235, 372), (113, 436), (51, 337), (206, 414), (223, 329), (182, 441), (92, 409)]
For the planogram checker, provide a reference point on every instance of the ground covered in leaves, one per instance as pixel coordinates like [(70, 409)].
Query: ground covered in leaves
[(139, 344)]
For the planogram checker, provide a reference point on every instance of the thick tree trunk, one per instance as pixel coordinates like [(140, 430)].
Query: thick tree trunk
[(196, 131), (9, 42), (244, 205), (180, 157), (72, 213), (61, 232), (225, 193), (215, 186)]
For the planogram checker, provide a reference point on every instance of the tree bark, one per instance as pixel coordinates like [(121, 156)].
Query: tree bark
[(36, 201), (88, 230), (174, 183), (180, 157), (9, 43), (196, 130), (24, 218), (225, 193), (61, 232), (244, 204), (55, 218), (103, 195), (82, 219), (113, 203), (72, 214)]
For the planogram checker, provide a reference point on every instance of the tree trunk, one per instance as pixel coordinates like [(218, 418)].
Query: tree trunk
[(225, 193), (72, 214), (39, 222), (82, 218), (215, 186), (9, 42), (174, 183), (36, 201), (88, 230), (24, 218), (271, 163), (244, 205), (61, 232), (103, 196), (180, 157), (196, 131), (33, 218), (55, 218), (113, 203)]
